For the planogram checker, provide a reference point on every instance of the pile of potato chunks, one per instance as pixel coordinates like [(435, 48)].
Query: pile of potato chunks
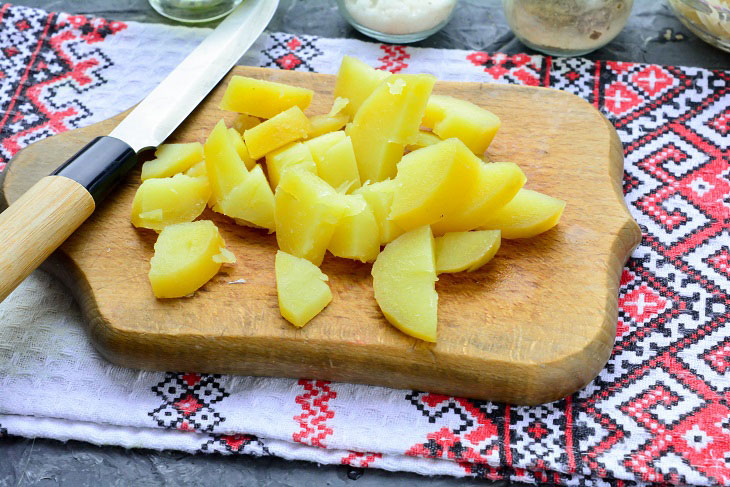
[(390, 165)]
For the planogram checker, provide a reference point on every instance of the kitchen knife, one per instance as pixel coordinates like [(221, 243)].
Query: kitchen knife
[(49, 212)]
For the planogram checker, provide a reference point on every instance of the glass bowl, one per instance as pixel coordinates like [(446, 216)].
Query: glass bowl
[(566, 27), (708, 19), (402, 24), (194, 11)]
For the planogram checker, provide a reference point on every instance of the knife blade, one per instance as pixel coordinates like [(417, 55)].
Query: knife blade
[(51, 210)]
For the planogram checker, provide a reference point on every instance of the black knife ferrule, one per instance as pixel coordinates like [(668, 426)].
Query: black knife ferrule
[(99, 166)]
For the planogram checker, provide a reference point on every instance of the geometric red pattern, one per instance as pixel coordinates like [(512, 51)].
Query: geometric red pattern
[(718, 357)]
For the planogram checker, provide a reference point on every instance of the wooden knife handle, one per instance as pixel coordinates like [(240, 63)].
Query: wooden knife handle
[(37, 224), (49, 212)]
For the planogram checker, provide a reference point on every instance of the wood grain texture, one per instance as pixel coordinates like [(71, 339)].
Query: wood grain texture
[(533, 325), (36, 224)]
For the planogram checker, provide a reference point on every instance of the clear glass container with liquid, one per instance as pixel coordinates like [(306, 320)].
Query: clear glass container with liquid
[(194, 11)]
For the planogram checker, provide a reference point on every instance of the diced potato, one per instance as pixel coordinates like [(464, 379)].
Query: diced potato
[(356, 235), (277, 132), (465, 251), (187, 255), (423, 139), (322, 124), (171, 159), (388, 120), (296, 154), (306, 211), (433, 182), (160, 202), (244, 122), (263, 99), (528, 214), (302, 289), (404, 281), (241, 149), (496, 184), (320, 145), (337, 166), (338, 106), (356, 81), (225, 168), (379, 197), (251, 201), (451, 117), (198, 171)]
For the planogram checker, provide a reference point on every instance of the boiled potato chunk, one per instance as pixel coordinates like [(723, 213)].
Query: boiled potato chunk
[(171, 159), (423, 139), (496, 184), (356, 235), (198, 171), (388, 120), (187, 255), (404, 281), (320, 145), (302, 289), (465, 251), (263, 99), (241, 149), (322, 124), (356, 81), (293, 155), (452, 117), (338, 167), (379, 197), (251, 201), (288, 126), (433, 182), (224, 167), (160, 202), (306, 211), (244, 122), (528, 214)]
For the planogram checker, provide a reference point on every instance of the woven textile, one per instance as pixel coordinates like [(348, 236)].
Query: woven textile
[(658, 412)]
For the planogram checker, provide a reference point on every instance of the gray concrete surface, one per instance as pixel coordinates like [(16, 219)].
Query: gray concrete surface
[(479, 24)]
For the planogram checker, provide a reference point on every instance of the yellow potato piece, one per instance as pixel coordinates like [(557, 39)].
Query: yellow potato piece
[(528, 214), (433, 182), (404, 282), (356, 81), (338, 167), (295, 154), (171, 159), (465, 251), (263, 99), (288, 126), (302, 289), (251, 201), (356, 235), (423, 139), (451, 117), (306, 211), (244, 122), (187, 255), (388, 120), (241, 149), (322, 124), (198, 171), (224, 167), (496, 184), (379, 197), (160, 202), (319, 146)]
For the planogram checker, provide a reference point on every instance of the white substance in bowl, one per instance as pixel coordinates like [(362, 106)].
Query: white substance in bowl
[(399, 17)]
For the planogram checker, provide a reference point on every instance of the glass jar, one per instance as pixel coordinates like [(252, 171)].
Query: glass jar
[(708, 19), (397, 21), (193, 11), (566, 27)]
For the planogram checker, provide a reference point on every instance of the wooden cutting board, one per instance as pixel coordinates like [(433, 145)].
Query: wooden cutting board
[(535, 324)]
